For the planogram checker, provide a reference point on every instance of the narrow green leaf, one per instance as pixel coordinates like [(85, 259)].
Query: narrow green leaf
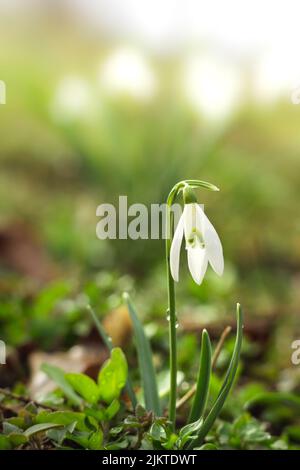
[(103, 335), (112, 376), (58, 376), (84, 386), (108, 343), (203, 380), (145, 361), (36, 428), (227, 384)]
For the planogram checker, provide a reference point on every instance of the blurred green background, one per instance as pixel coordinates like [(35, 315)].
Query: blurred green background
[(94, 112)]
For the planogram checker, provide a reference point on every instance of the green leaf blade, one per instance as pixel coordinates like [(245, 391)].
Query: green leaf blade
[(203, 380), (37, 428), (146, 367), (227, 384)]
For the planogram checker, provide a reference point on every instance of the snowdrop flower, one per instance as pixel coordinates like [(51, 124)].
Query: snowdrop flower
[(201, 241)]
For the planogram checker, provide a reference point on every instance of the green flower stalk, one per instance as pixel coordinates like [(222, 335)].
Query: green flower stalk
[(202, 244)]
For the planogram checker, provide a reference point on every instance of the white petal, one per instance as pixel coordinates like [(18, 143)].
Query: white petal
[(175, 250), (212, 242), (190, 219), (197, 261)]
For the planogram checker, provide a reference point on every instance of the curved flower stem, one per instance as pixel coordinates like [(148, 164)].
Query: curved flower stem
[(171, 288), (172, 306)]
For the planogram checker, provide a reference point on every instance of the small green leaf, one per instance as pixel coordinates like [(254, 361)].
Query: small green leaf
[(97, 414), (65, 418), (201, 395), (95, 440), (58, 376), (36, 428), (189, 432), (5, 443), (117, 445), (112, 409), (158, 432), (59, 435), (84, 386), (81, 438), (207, 446), (190, 428), (17, 439), (16, 421), (112, 376), (9, 428), (280, 444), (145, 362)]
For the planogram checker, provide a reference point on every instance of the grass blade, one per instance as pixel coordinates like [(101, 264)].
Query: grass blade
[(103, 335), (109, 344), (227, 384), (145, 361), (203, 380)]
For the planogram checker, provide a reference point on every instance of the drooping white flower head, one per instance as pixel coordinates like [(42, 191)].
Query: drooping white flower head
[(201, 241)]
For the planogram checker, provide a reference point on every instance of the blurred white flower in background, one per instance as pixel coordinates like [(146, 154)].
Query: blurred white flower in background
[(277, 73), (126, 71), (73, 99), (261, 36), (212, 86)]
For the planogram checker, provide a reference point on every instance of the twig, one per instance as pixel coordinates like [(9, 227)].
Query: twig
[(220, 344), (24, 400), (216, 354)]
